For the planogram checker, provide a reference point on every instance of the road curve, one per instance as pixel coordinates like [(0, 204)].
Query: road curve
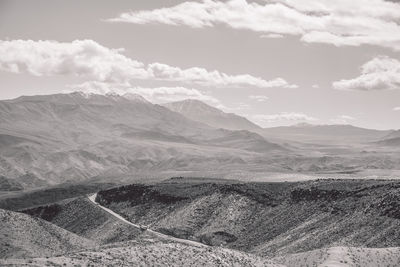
[(92, 198)]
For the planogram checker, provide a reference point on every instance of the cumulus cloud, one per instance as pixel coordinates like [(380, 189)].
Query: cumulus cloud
[(380, 73), (211, 78), (154, 95), (396, 109), (259, 98), (272, 35), (338, 22), (283, 116), (80, 57), (343, 119), (89, 59)]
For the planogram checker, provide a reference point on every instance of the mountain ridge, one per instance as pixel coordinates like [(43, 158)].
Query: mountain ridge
[(305, 132), (202, 112), (76, 136)]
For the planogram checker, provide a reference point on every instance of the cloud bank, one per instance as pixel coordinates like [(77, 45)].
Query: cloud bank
[(89, 59), (259, 98), (336, 22), (284, 116), (154, 95), (380, 73)]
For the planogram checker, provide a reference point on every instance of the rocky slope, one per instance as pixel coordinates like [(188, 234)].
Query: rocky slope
[(343, 256), (150, 252), (311, 223), (85, 219), (23, 236), (266, 218)]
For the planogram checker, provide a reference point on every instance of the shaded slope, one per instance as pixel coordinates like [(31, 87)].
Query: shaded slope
[(266, 218), (39, 197), (86, 219), (9, 184), (24, 236)]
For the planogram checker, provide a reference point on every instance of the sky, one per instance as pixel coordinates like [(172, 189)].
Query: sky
[(277, 62)]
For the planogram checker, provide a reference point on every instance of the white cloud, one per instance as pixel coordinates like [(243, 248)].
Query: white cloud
[(80, 57), (343, 119), (211, 78), (259, 98), (154, 95), (380, 73), (337, 22), (396, 109), (283, 116), (272, 35), (89, 59), (316, 86)]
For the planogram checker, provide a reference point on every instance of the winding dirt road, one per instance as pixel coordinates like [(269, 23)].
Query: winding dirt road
[(92, 198)]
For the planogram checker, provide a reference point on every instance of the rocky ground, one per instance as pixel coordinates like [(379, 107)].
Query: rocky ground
[(24, 236), (311, 223), (343, 256), (266, 218), (149, 252), (85, 219)]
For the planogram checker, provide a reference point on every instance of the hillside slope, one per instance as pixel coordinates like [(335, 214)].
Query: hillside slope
[(24, 236), (266, 218), (85, 219), (343, 256), (391, 142), (150, 252)]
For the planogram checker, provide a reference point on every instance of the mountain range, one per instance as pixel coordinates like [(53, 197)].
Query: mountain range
[(72, 137), (51, 139)]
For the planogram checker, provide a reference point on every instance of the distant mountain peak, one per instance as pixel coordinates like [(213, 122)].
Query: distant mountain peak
[(199, 111), (135, 97)]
